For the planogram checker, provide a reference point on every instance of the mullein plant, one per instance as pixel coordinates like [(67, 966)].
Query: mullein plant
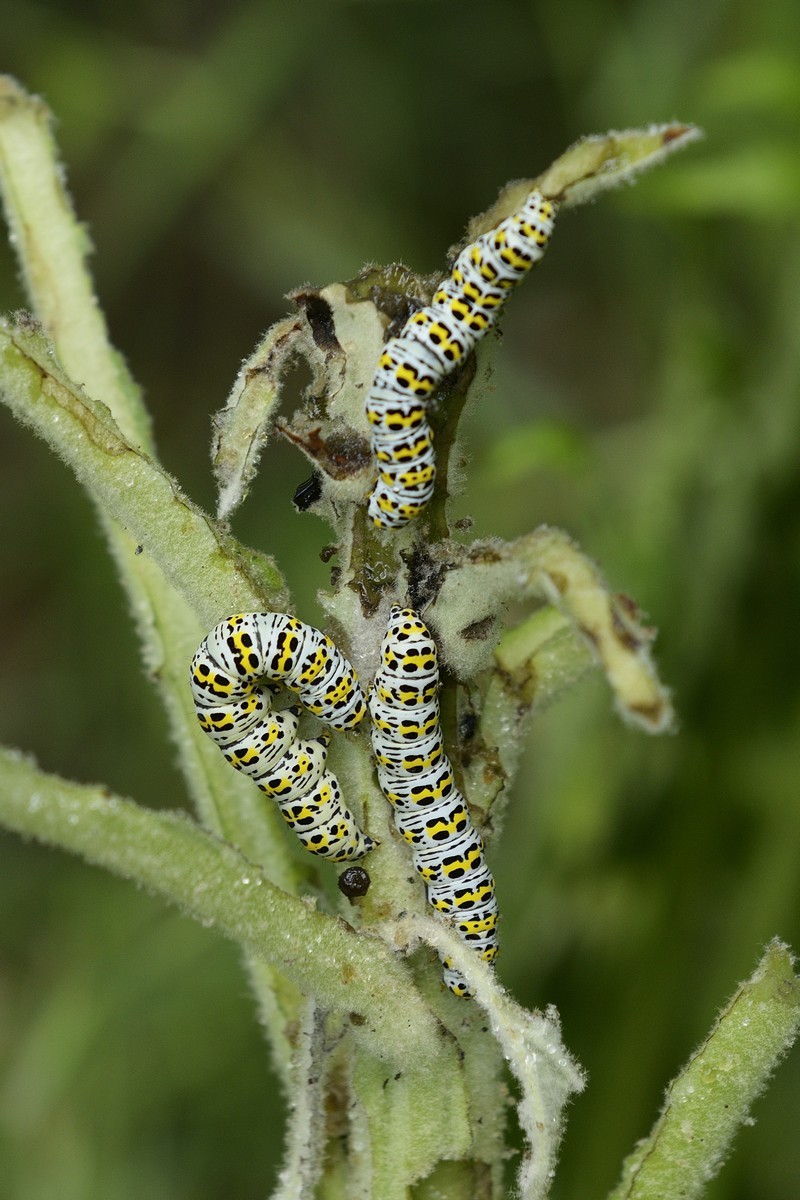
[(354, 1009)]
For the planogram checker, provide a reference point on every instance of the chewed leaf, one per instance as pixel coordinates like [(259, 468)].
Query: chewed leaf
[(547, 565), (610, 624), (592, 165), (597, 163), (513, 673), (531, 1043), (343, 339), (242, 427)]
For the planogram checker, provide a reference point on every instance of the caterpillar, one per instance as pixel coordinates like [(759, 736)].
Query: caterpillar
[(236, 667), (416, 778), (431, 344)]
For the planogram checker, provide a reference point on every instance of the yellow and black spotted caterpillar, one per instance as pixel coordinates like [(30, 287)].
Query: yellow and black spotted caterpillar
[(232, 675), (235, 669), (416, 777), (431, 344)]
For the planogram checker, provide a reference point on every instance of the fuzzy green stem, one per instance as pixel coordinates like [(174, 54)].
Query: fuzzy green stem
[(203, 564), (169, 854), (414, 1118), (711, 1098), (52, 249), (305, 1144)]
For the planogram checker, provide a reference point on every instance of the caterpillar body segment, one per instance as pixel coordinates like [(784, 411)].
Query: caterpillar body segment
[(238, 667)]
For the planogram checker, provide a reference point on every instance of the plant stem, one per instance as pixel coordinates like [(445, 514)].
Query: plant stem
[(52, 248), (204, 565), (711, 1098), (169, 854)]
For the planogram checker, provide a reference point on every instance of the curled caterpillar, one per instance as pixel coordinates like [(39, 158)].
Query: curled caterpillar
[(416, 778), (431, 344), (232, 675)]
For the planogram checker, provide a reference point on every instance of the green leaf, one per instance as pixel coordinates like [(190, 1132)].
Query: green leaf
[(711, 1098)]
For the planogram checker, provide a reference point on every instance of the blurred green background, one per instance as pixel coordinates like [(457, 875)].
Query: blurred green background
[(646, 399)]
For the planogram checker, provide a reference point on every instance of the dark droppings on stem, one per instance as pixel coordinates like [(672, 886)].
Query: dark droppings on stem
[(479, 630), (308, 492), (468, 725), (354, 883), (425, 575)]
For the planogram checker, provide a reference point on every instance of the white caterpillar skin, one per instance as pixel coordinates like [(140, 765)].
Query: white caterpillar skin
[(431, 344), (232, 675), (416, 777)]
